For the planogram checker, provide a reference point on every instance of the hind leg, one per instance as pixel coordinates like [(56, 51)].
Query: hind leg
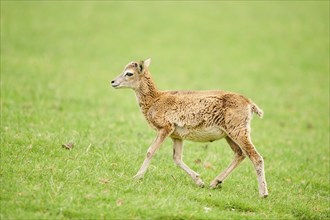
[(238, 158), (244, 141)]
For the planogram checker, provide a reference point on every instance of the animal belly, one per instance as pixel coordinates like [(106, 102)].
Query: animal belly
[(199, 134)]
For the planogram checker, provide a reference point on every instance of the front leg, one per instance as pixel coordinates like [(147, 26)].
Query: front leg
[(177, 157), (162, 134)]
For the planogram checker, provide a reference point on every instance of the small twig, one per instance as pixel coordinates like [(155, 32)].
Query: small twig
[(174, 178), (89, 146)]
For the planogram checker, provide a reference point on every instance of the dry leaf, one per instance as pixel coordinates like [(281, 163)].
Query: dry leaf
[(89, 196), (309, 126), (197, 161), (68, 146), (208, 165), (104, 181), (119, 202), (106, 191), (207, 209)]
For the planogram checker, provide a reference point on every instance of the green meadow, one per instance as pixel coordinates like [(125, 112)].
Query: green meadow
[(57, 61)]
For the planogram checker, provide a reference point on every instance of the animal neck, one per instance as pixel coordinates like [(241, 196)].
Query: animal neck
[(146, 93)]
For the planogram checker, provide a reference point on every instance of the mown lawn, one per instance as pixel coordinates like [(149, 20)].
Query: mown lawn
[(57, 61)]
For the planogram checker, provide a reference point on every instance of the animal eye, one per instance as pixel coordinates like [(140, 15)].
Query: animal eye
[(129, 74)]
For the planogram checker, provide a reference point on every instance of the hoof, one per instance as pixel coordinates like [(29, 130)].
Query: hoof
[(263, 192), (263, 195), (200, 183), (215, 184), (138, 176)]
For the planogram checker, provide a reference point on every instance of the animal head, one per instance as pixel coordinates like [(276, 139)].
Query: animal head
[(132, 74)]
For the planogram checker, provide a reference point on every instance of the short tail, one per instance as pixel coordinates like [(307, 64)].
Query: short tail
[(257, 110)]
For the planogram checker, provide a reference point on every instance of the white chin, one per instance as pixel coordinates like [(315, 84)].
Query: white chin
[(119, 87)]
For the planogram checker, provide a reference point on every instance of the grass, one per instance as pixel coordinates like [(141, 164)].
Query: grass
[(57, 60)]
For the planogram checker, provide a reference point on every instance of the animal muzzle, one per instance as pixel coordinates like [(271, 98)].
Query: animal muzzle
[(114, 84)]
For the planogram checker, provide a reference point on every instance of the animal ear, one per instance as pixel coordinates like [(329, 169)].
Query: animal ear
[(147, 62), (144, 64)]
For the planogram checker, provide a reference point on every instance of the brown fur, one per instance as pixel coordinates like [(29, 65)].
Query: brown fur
[(197, 116)]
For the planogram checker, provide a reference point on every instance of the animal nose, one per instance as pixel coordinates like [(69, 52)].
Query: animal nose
[(113, 81)]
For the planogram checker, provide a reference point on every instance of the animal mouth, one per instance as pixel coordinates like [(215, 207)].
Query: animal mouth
[(114, 84)]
